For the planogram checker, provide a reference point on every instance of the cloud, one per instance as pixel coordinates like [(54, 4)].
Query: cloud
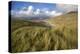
[(58, 14), (26, 11), (44, 9), (23, 12), (14, 13), (24, 8), (30, 12), (47, 12), (37, 11), (53, 12), (30, 8), (66, 7)]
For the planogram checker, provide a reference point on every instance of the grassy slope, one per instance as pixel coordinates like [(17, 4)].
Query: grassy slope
[(30, 36)]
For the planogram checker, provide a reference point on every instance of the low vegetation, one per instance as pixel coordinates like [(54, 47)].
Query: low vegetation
[(27, 36)]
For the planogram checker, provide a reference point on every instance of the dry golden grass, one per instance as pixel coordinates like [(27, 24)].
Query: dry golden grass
[(39, 38)]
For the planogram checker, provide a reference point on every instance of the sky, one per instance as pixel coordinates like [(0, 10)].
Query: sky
[(29, 9), (20, 5)]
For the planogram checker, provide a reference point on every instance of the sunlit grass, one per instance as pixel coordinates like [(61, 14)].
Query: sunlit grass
[(39, 38)]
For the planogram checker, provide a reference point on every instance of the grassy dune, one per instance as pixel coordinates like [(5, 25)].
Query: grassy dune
[(29, 36)]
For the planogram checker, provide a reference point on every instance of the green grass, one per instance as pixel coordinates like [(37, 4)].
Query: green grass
[(27, 36)]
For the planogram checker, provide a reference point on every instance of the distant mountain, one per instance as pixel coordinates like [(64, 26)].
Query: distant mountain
[(72, 12)]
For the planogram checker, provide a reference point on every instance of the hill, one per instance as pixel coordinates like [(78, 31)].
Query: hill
[(69, 20), (29, 35)]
